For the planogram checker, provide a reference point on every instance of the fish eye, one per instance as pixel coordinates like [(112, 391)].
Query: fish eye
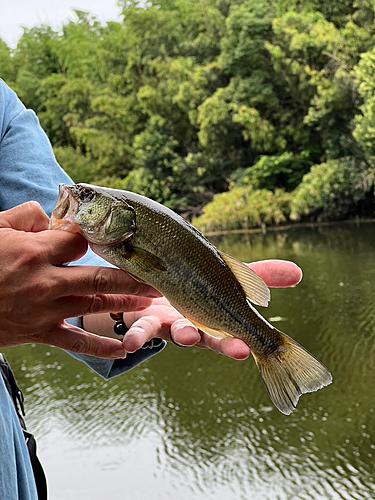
[(86, 195)]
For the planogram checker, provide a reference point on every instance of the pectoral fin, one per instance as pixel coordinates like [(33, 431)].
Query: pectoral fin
[(254, 287), (143, 260), (217, 334)]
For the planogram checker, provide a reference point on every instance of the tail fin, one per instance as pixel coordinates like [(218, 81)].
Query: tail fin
[(290, 371)]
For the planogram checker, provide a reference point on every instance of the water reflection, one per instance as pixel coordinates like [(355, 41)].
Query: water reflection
[(197, 425)]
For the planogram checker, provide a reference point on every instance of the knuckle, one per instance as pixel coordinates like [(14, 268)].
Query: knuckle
[(103, 283), (152, 324), (41, 290), (35, 208), (91, 304), (127, 303), (80, 346), (32, 254), (90, 346), (181, 323)]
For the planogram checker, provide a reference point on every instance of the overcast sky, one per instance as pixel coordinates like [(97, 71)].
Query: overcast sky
[(29, 13)]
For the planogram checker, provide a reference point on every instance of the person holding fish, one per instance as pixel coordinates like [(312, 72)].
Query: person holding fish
[(39, 291)]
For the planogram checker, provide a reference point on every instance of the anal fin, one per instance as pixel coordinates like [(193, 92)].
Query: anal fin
[(211, 332)]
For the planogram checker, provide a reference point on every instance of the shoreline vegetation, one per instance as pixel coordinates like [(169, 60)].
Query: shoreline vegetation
[(236, 114), (289, 227)]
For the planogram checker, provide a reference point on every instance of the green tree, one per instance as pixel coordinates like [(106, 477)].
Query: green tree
[(184, 100), (331, 190), (365, 120), (7, 72)]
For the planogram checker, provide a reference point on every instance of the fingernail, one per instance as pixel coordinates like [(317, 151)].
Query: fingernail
[(190, 337), (155, 294), (119, 354)]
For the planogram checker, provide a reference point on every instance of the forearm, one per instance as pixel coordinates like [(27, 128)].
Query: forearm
[(29, 171)]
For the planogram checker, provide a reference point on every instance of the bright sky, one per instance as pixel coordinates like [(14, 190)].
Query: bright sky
[(29, 13)]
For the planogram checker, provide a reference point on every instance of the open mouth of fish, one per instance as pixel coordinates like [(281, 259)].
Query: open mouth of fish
[(66, 208)]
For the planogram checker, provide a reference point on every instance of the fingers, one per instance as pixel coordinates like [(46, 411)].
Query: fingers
[(184, 333), (78, 341), (234, 348), (29, 216), (76, 306), (188, 335), (231, 347), (278, 273), (63, 247), (159, 325), (82, 280), (141, 331)]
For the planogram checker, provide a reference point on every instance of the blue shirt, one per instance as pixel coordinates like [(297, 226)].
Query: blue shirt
[(29, 171)]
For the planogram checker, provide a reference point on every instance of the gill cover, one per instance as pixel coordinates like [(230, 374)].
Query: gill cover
[(102, 218)]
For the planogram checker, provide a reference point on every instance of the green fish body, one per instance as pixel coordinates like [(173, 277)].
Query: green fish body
[(211, 289)]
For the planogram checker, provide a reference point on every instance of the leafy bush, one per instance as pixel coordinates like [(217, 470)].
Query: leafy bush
[(331, 189), (269, 172), (244, 207)]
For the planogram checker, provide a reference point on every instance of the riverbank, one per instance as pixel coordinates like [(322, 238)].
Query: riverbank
[(287, 227)]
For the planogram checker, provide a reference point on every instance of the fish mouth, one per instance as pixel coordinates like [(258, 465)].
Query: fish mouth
[(66, 208)]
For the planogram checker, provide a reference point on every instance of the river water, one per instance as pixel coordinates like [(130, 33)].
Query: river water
[(190, 424)]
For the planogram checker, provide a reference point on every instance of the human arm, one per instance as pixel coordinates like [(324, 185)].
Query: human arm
[(29, 171), (37, 292), (160, 319)]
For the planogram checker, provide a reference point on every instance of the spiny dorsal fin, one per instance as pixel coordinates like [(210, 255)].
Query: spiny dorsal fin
[(255, 288)]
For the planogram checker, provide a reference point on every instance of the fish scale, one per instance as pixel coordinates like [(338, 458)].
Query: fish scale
[(211, 289)]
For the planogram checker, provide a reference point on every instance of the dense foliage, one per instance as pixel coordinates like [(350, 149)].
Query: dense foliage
[(266, 106)]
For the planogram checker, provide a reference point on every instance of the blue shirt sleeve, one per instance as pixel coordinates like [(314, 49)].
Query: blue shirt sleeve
[(29, 171), (16, 475)]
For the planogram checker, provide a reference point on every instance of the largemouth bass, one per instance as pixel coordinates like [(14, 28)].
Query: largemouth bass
[(211, 289)]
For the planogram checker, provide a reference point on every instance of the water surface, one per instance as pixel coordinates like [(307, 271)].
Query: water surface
[(190, 424)]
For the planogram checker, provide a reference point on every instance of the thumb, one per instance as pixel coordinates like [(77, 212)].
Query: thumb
[(74, 339), (278, 273), (29, 216)]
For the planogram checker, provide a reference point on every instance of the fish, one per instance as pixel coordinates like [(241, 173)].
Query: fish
[(216, 292)]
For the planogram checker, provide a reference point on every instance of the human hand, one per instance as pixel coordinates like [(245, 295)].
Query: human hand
[(37, 292), (162, 320)]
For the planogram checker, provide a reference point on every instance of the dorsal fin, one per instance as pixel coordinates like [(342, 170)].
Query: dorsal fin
[(254, 287)]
